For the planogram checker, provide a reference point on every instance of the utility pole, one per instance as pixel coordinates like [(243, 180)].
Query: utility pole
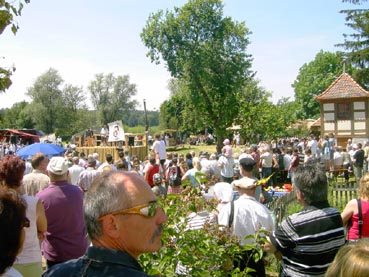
[(146, 126)]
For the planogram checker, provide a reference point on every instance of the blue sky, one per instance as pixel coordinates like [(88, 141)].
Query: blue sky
[(81, 38)]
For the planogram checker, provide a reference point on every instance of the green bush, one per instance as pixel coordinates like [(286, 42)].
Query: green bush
[(205, 252)]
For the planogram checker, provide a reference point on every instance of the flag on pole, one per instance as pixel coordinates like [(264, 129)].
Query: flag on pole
[(116, 132)]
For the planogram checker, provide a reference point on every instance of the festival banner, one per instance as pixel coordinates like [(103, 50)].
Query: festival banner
[(116, 132)]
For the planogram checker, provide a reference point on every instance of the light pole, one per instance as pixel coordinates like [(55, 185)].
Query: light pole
[(146, 121), (146, 126)]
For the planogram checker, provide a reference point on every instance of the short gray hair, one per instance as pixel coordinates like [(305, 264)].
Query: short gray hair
[(106, 195), (311, 181)]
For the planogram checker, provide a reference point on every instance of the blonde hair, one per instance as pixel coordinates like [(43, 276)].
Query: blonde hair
[(351, 260), (196, 163), (364, 186)]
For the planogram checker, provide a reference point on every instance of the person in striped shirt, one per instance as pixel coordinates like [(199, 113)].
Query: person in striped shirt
[(308, 241)]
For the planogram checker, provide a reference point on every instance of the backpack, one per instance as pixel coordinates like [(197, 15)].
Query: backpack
[(174, 176)]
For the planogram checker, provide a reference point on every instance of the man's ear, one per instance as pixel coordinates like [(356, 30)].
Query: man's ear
[(110, 226), (299, 195)]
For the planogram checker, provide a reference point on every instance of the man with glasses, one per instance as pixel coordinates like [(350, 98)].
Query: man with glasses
[(123, 221)]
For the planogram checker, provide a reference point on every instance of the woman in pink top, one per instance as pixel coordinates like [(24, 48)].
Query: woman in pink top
[(351, 212)]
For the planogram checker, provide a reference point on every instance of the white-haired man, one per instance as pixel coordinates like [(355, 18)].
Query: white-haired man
[(246, 216)]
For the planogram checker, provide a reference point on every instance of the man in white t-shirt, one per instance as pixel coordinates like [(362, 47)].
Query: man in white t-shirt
[(249, 217), (74, 171), (159, 149), (313, 145)]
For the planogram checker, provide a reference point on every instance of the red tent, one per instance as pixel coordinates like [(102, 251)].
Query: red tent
[(27, 138)]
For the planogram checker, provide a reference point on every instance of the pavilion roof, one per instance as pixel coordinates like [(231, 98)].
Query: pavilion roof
[(342, 88)]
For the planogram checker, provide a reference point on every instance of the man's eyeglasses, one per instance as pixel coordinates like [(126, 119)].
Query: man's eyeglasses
[(26, 223), (147, 210)]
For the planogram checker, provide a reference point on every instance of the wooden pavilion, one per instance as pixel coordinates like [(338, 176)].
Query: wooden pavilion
[(344, 110), (136, 144)]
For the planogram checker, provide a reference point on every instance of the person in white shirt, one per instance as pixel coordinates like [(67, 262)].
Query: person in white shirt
[(249, 217), (104, 133), (74, 171), (338, 158), (266, 160), (313, 145), (223, 193), (159, 150), (96, 157), (107, 165), (226, 168), (287, 159)]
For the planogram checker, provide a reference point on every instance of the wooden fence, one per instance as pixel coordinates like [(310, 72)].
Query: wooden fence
[(342, 193), (279, 205)]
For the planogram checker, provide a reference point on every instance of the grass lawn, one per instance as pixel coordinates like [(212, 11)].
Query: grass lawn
[(185, 148)]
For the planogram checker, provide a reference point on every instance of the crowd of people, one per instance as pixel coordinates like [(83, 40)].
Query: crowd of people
[(88, 217)]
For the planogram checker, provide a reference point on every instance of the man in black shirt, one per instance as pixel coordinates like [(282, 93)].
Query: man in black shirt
[(358, 161)]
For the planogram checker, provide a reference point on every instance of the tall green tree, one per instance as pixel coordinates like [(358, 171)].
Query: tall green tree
[(356, 44), (112, 96), (208, 51), (259, 117), (313, 78), (75, 116), (47, 100), (8, 12), (56, 108)]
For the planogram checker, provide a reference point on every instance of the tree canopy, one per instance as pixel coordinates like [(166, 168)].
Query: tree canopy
[(207, 51), (55, 108), (313, 78), (8, 12), (356, 44), (112, 96)]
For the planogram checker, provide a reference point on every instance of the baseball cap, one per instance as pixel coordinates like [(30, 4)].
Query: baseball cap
[(58, 165)]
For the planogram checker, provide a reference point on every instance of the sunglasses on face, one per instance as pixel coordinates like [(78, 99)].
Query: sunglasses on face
[(147, 210), (26, 223)]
